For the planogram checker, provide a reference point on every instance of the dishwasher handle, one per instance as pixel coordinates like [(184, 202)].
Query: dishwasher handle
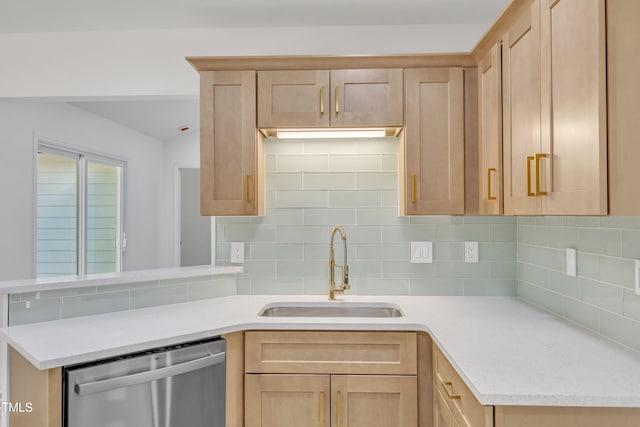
[(148, 376)]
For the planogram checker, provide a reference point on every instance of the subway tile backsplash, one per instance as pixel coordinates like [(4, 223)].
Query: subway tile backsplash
[(601, 297), (313, 185)]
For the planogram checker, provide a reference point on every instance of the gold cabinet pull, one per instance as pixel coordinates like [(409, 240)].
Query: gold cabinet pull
[(489, 196), (321, 100), (248, 179), (529, 160), (337, 99), (321, 408), (339, 415), (538, 185), (445, 386), (414, 185)]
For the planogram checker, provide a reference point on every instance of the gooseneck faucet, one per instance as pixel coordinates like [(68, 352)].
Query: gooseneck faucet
[(332, 265)]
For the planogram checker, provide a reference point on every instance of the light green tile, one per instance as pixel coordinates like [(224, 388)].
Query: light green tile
[(462, 269), (212, 289), (490, 287), (373, 286), (329, 181), (283, 181), (281, 251), (303, 234), (421, 287), (620, 329), (162, 295), (497, 251), (526, 220), (223, 251), (389, 199), (446, 251), (471, 232), (86, 305), (243, 286), (183, 280), (541, 297), (320, 251), (38, 311), (15, 298), (631, 307), (504, 270), (405, 270), (619, 271), (280, 286), (306, 163), (388, 145), (363, 234), (376, 181), (330, 217), (565, 285), (280, 217), (408, 233), (601, 241), (355, 163), (631, 244), (532, 235), (329, 147), (302, 268), (602, 295), (269, 163), (382, 216), (281, 146), (620, 222), (315, 286), (552, 259), (390, 162), (259, 268), (535, 275), (386, 252), (503, 233), (588, 266), (583, 314), (228, 220), (57, 293), (563, 237), (489, 219), (365, 269), (249, 233), (355, 199), (302, 199), (549, 220), (436, 219), (581, 221), (128, 286), (445, 233)]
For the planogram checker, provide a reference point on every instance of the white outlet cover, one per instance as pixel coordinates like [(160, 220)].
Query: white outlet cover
[(421, 252), (638, 277), (471, 252), (571, 262), (237, 252)]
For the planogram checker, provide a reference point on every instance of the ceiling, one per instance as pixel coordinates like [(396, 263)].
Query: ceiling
[(162, 119), (23, 16)]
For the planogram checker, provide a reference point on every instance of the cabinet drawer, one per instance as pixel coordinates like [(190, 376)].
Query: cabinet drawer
[(331, 352), (466, 409)]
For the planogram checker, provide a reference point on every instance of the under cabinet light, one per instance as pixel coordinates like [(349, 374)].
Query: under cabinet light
[(329, 133)]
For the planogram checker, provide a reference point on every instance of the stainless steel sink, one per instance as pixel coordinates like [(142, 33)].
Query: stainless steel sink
[(330, 309)]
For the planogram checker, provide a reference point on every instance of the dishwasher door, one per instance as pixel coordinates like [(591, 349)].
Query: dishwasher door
[(182, 386)]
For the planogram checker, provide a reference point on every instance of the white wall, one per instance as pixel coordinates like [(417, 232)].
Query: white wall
[(151, 62), (72, 126)]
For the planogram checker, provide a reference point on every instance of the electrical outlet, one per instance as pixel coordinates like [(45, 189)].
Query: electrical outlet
[(471, 252), (571, 262), (237, 252), (637, 277), (421, 252)]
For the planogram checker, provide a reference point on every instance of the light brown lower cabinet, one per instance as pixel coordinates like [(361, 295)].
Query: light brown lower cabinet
[(283, 400)]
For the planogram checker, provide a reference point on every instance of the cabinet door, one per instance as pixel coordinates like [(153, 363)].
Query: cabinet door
[(286, 400), (374, 401), (366, 98), (230, 151), (490, 141), (432, 144), (521, 104), (442, 415), (296, 98), (574, 110)]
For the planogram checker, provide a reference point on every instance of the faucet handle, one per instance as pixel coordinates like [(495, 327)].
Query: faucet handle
[(345, 277)]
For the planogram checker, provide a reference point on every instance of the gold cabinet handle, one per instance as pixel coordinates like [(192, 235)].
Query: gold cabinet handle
[(445, 386), (248, 179), (489, 196), (339, 415), (337, 100), (538, 185), (321, 100), (414, 185), (529, 160), (321, 408)]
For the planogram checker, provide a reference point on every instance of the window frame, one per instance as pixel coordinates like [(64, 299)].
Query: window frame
[(82, 157)]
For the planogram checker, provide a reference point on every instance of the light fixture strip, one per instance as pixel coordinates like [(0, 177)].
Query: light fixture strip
[(330, 133)]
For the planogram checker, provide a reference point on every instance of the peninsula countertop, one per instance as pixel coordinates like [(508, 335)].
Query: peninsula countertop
[(506, 351)]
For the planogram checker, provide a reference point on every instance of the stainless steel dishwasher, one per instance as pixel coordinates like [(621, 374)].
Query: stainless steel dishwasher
[(179, 386)]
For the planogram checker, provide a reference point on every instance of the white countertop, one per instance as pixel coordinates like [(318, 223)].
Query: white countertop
[(507, 352), (107, 279)]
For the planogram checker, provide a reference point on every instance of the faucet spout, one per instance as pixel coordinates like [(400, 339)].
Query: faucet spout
[(332, 264)]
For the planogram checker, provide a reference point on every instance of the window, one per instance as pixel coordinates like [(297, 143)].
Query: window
[(79, 211)]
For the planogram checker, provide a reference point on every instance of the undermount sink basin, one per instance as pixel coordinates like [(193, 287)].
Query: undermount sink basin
[(330, 309)]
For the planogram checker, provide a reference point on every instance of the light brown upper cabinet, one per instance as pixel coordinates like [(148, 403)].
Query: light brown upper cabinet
[(432, 143), (490, 136), (555, 115), (231, 156), (322, 98)]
